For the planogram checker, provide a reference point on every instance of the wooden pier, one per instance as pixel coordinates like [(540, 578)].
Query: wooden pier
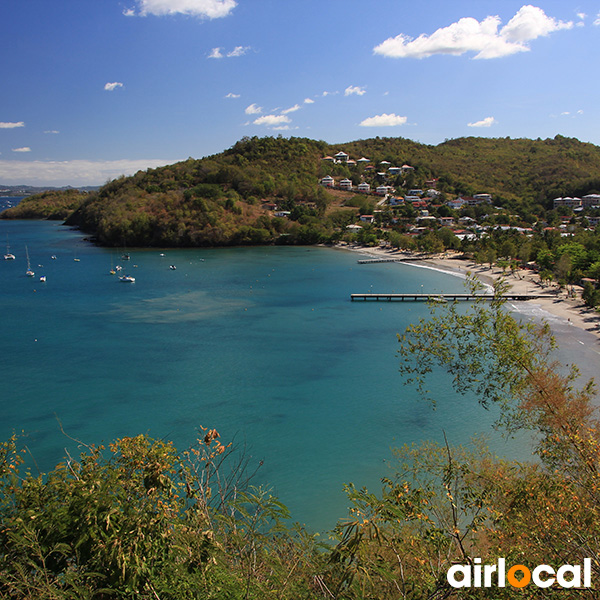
[(443, 297)]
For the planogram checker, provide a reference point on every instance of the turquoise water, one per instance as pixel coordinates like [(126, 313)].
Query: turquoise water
[(262, 344)]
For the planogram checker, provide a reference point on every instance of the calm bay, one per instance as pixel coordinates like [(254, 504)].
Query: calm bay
[(262, 344)]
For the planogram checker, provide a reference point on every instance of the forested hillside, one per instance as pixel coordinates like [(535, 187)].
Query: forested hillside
[(238, 196)]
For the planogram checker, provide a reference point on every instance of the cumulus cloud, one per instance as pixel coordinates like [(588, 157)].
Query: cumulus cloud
[(272, 120), (597, 20), (486, 39), (232, 95), (110, 87), (12, 125), (74, 172), (354, 90), (487, 122), (383, 120), (23, 149), (205, 9), (308, 101), (216, 53), (291, 109), (253, 109)]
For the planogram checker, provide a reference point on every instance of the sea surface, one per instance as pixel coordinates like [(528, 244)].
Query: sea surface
[(262, 344)]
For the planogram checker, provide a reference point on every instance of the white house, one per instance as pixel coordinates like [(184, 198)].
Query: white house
[(363, 187), (367, 218), (382, 190), (328, 181), (394, 170), (457, 203), (482, 198), (341, 157), (590, 200), (568, 201), (363, 160), (346, 184)]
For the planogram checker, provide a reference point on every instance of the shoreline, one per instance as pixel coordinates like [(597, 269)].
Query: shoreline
[(570, 311)]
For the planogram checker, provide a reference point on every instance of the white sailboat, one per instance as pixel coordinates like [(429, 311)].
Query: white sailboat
[(8, 255), (29, 272)]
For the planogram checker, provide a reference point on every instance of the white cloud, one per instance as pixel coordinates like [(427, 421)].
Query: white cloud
[(232, 95), (597, 20), (383, 120), (208, 9), (482, 38), (110, 87), (12, 125), (238, 51), (253, 109), (23, 149), (129, 12), (75, 172), (354, 90), (52, 131), (272, 120), (291, 109), (487, 122), (308, 101)]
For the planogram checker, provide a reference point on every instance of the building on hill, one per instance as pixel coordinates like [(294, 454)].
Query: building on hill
[(328, 181), (341, 157), (590, 200), (363, 187), (481, 199), (457, 203), (346, 184), (568, 201)]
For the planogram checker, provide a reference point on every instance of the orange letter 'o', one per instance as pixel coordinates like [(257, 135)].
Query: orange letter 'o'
[(516, 582)]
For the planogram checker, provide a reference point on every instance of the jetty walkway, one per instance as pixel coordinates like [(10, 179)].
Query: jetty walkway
[(444, 297)]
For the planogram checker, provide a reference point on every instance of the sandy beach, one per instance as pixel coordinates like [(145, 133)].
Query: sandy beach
[(564, 307)]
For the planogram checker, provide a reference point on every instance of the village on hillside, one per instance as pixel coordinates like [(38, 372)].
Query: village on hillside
[(415, 210)]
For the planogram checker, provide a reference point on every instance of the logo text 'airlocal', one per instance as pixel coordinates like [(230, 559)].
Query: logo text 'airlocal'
[(542, 576)]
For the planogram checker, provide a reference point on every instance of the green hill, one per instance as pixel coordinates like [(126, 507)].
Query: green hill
[(232, 198)]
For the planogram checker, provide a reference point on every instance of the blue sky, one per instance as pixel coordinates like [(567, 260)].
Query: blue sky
[(92, 90)]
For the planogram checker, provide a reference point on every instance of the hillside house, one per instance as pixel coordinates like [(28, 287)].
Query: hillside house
[(481, 199), (382, 190), (341, 157), (590, 200), (457, 203), (568, 201), (446, 221), (367, 218), (346, 184), (363, 188), (328, 181), (394, 170), (363, 160)]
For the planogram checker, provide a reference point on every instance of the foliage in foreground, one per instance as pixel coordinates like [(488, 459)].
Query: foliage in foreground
[(138, 520)]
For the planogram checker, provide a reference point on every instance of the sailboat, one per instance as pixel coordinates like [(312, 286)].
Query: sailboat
[(8, 255), (29, 272)]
